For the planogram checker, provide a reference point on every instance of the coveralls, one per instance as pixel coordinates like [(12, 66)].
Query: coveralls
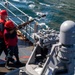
[(2, 43), (11, 44)]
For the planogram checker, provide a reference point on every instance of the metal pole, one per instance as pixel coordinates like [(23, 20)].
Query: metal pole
[(36, 27)]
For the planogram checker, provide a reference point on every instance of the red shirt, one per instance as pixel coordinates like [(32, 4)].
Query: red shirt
[(10, 39), (2, 22)]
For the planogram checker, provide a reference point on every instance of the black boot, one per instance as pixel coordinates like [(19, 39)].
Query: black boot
[(12, 60), (7, 65), (18, 63)]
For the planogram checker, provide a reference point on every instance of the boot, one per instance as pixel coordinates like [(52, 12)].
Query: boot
[(7, 65), (12, 60), (18, 63)]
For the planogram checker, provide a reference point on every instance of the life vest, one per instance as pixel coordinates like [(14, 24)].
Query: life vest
[(2, 22), (10, 39)]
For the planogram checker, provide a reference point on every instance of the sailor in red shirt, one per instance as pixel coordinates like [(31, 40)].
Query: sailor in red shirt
[(3, 16), (11, 40)]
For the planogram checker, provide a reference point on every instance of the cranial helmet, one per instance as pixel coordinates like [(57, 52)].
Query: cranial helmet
[(9, 24), (3, 13)]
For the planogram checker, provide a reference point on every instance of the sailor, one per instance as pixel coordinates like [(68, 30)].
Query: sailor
[(11, 40), (3, 16), (3, 19)]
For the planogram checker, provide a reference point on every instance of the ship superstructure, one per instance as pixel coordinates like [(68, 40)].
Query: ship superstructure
[(60, 58)]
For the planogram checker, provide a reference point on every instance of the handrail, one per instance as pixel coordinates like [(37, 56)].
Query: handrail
[(18, 9), (29, 29), (12, 13)]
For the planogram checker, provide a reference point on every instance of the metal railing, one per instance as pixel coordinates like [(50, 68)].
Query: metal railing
[(18, 17)]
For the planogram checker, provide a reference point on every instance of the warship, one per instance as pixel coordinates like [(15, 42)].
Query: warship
[(59, 60)]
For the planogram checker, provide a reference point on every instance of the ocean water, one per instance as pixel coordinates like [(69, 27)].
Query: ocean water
[(57, 11)]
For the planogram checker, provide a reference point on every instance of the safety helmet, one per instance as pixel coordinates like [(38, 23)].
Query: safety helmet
[(3, 13), (9, 24)]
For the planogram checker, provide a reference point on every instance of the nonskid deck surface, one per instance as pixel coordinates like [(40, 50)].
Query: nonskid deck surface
[(25, 49)]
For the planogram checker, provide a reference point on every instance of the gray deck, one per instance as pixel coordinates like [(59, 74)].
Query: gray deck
[(25, 49)]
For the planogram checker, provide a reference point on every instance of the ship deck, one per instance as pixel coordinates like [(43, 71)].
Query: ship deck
[(25, 49)]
